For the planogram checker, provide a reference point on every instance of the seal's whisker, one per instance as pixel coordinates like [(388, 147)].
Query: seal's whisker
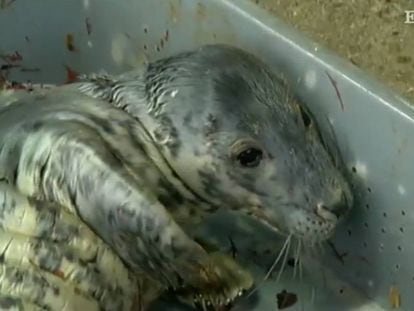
[(313, 294), (296, 258), (287, 242), (300, 261), (284, 248), (283, 262)]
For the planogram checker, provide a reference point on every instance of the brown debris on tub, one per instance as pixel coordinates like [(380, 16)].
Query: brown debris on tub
[(4, 4), (338, 94), (201, 11), (13, 57), (286, 299), (7, 67), (394, 297), (233, 249), (127, 35), (88, 26), (14, 85), (338, 255), (69, 42), (173, 13), (2, 81)]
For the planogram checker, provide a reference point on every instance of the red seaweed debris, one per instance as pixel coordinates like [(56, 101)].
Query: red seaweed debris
[(286, 299), (338, 94), (71, 75)]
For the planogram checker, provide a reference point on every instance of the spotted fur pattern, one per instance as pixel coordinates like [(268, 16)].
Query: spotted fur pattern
[(76, 156)]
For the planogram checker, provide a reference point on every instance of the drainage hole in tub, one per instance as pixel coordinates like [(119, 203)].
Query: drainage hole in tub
[(399, 248), (145, 47), (367, 206), (397, 267), (403, 213), (384, 214), (402, 229), (157, 48), (145, 30), (354, 170), (365, 244), (383, 230), (366, 225), (341, 291), (349, 232), (369, 189)]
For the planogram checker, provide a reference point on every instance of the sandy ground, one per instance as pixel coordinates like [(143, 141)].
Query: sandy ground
[(370, 33)]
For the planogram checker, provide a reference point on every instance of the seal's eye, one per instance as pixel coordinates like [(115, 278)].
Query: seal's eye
[(250, 157)]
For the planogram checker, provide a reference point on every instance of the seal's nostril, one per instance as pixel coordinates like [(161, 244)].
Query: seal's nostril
[(326, 214), (341, 207)]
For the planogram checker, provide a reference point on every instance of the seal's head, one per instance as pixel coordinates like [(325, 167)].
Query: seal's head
[(236, 136)]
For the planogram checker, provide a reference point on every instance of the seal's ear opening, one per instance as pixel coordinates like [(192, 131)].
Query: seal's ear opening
[(306, 118)]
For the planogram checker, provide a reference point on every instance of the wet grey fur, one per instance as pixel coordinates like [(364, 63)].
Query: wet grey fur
[(114, 149)]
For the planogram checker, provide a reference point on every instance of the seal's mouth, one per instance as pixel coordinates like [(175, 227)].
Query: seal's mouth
[(316, 226), (258, 214)]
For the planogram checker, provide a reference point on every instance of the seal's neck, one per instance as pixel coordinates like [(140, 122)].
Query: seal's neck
[(128, 92)]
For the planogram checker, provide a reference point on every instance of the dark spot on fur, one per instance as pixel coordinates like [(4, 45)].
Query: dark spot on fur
[(274, 177), (7, 302), (210, 182), (136, 143), (37, 125), (211, 126), (168, 195), (15, 174), (105, 125), (187, 119)]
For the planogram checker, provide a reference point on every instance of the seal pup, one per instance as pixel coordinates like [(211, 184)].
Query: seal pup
[(141, 157)]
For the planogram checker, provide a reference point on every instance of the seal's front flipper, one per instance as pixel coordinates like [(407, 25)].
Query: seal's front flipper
[(68, 162), (51, 259), (123, 210)]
